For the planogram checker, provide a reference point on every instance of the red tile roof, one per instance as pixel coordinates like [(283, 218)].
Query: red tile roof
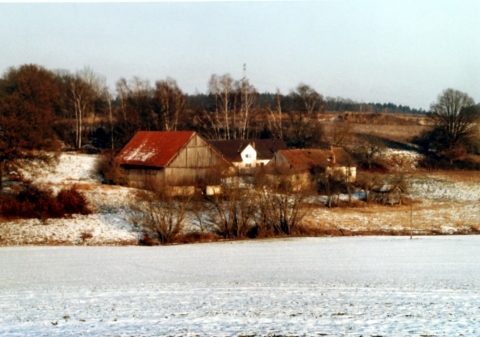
[(153, 148), (304, 159)]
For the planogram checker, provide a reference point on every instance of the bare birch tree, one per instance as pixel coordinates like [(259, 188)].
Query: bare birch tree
[(276, 113), (85, 87), (222, 88), (248, 97), (170, 103), (122, 92)]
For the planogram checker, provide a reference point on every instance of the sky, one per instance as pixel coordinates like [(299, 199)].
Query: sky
[(404, 52)]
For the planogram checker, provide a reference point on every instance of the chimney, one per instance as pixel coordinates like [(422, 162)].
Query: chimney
[(334, 159)]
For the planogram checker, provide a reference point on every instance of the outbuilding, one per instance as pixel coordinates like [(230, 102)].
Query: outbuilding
[(171, 158), (388, 194)]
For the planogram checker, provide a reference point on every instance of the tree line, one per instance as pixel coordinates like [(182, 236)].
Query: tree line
[(43, 109), (79, 109)]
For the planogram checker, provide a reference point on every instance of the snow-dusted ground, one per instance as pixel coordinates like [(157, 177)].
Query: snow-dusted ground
[(446, 203), (108, 225), (364, 286)]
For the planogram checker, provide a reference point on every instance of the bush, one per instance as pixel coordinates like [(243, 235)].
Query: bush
[(34, 203), (72, 201), (433, 162), (110, 169)]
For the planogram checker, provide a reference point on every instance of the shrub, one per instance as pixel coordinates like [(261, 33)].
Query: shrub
[(195, 237), (72, 201), (147, 240), (110, 169), (32, 202)]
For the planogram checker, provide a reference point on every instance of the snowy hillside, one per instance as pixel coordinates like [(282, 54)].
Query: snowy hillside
[(108, 225)]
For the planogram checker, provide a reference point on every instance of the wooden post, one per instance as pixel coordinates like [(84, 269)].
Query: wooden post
[(411, 217)]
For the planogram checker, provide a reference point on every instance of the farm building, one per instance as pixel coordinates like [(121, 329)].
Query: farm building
[(246, 154), (171, 158), (388, 194), (304, 163)]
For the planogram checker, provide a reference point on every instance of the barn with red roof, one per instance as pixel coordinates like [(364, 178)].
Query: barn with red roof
[(171, 158), (303, 164)]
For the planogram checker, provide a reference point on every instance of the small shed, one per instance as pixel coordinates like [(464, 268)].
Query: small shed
[(388, 194)]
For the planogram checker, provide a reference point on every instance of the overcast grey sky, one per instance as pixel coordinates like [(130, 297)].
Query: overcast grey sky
[(404, 52)]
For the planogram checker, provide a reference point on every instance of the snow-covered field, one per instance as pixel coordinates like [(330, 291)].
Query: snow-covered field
[(364, 286)]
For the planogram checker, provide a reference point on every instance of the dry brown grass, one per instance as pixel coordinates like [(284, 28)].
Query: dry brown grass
[(396, 133)]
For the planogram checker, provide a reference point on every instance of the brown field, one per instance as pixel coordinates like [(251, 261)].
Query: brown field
[(393, 127), (443, 203)]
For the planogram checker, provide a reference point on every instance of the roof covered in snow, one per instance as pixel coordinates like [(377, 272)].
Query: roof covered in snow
[(265, 148), (305, 159), (153, 148)]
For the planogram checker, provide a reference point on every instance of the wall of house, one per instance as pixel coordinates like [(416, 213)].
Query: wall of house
[(349, 172), (141, 177), (249, 157), (262, 162), (279, 160)]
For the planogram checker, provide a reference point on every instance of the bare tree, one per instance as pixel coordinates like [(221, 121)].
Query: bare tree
[(308, 103), (369, 148), (223, 88), (455, 118), (232, 211), (85, 88), (276, 115), (280, 197), (308, 100), (248, 98), (342, 134), (161, 212), (366, 182), (170, 103), (122, 92), (109, 99), (332, 184)]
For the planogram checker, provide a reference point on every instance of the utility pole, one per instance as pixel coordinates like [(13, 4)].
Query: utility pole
[(244, 99)]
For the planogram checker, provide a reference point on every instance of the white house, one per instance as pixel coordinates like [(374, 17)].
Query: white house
[(246, 154)]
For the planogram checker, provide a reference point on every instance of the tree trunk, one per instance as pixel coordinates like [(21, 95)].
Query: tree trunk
[(1, 177)]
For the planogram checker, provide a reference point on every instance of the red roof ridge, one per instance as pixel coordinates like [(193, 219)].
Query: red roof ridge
[(153, 148)]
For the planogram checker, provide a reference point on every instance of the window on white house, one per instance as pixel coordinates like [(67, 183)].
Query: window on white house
[(248, 155)]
